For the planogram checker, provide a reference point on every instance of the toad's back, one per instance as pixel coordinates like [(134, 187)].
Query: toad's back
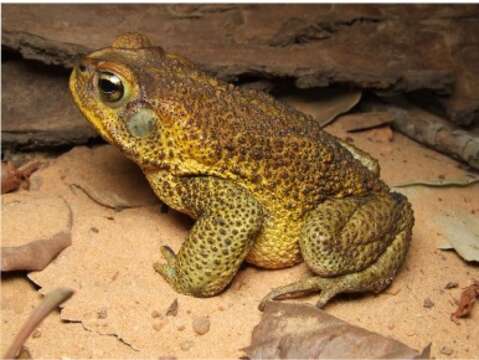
[(278, 153)]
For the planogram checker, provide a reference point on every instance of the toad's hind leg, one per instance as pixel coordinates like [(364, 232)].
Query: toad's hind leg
[(228, 219), (353, 245)]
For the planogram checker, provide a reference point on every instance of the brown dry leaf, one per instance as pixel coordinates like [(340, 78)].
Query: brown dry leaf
[(10, 179), (297, 331), (325, 105), (13, 178), (126, 185), (34, 256), (32, 248), (468, 298), (366, 121)]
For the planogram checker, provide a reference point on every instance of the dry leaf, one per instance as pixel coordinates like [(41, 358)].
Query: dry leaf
[(366, 121), (297, 331), (462, 233), (13, 178), (468, 181), (127, 186), (468, 297), (325, 105), (10, 179), (36, 254)]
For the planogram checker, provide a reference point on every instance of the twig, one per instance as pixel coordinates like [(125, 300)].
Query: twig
[(51, 301), (435, 132)]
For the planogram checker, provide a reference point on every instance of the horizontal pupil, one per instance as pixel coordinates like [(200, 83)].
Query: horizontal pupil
[(108, 87)]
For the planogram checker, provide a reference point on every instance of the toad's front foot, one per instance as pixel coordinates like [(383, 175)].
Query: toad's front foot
[(168, 270), (328, 288)]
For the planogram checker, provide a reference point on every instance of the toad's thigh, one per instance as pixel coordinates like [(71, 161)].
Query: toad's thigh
[(347, 235)]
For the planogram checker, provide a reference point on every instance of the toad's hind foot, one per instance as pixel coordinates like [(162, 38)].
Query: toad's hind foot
[(328, 288), (369, 280)]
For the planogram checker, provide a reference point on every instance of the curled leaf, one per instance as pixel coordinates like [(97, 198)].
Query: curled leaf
[(468, 181), (13, 178), (468, 298)]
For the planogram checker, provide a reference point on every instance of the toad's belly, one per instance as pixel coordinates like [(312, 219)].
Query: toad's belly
[(277, 245)]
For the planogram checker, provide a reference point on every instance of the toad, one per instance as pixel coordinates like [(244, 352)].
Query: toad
[(264, 182)]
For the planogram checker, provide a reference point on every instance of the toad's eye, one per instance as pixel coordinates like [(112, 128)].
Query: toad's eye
[(111, 87)]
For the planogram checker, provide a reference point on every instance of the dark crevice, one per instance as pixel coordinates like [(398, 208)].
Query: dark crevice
[(33, 65), (296, 32)]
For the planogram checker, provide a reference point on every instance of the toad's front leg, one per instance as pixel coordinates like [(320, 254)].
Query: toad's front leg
[(228, 220)]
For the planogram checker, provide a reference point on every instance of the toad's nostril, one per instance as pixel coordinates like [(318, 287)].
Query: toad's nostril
[(80, 63)]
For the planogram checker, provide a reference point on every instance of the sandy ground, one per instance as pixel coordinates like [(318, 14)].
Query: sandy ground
[(119, 309)]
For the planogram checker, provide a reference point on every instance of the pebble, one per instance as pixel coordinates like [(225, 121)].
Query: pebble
[(102, 313), (451, 285), (159, 323), (186, 345), (36, 334), (173, 309), (201, 325), (446, 350), (428, 303)]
